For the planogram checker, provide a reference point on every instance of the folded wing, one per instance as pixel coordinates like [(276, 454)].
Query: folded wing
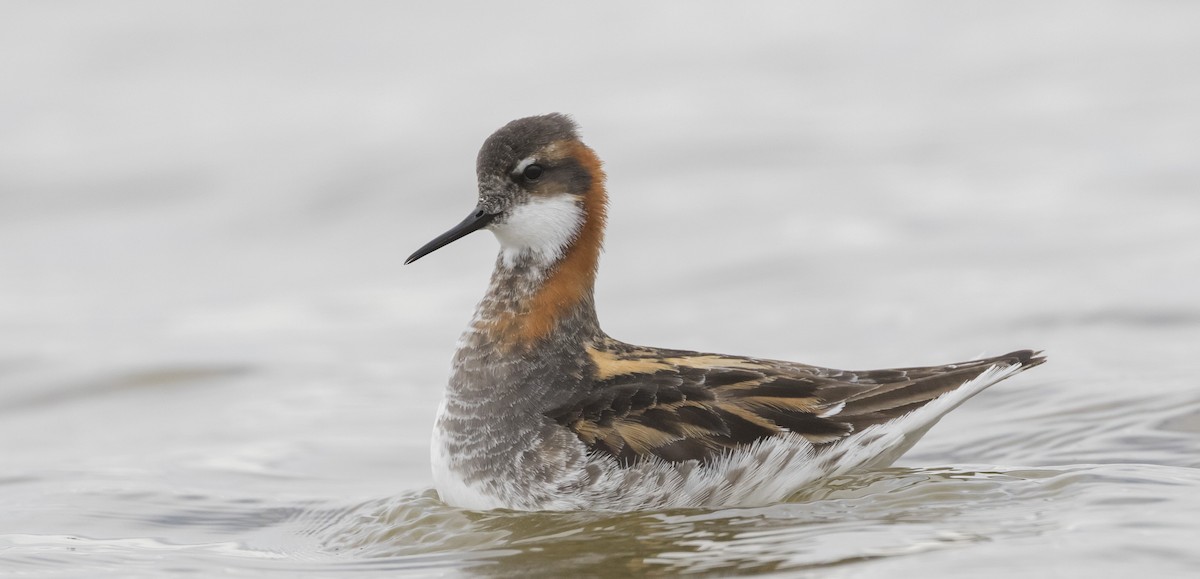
[(680, 406)]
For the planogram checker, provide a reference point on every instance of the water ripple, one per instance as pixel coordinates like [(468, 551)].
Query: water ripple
[(885, 514)]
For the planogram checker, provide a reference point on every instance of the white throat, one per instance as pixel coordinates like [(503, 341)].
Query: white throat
[(541, 228)]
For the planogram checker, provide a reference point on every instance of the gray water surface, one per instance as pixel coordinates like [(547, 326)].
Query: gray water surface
[(213, 363)]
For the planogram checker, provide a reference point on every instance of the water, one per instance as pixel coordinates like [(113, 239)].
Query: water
[(212, 362)]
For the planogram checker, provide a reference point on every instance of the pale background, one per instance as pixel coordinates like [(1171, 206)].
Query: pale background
[(204, 208)]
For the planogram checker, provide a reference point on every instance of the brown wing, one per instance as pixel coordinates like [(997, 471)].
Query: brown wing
[(688, 406)]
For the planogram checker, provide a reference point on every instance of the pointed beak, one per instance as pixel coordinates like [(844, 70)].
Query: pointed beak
[(478, 219)]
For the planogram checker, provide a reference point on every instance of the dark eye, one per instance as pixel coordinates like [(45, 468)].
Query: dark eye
[(533, 172)]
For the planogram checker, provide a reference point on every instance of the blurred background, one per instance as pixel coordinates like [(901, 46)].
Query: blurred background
[(204, 208)]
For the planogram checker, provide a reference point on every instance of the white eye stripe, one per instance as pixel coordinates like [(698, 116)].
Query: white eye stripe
[(527, 161)]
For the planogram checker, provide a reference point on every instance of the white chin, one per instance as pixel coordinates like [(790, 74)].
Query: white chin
[(541, 228)]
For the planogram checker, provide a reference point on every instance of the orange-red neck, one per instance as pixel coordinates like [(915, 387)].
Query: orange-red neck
[(568, 284)]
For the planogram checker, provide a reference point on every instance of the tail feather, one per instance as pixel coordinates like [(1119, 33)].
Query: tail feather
[(911, 410), (892, 400)]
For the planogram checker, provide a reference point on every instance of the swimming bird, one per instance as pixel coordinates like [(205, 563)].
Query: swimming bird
[(544, 411)]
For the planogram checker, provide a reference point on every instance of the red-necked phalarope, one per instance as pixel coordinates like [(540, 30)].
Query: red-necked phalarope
[(546, 412)]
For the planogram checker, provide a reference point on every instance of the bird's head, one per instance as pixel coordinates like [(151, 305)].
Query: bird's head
[(538, 187)]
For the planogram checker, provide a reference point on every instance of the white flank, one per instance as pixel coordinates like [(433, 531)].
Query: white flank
[(450, 486), (540, 228)]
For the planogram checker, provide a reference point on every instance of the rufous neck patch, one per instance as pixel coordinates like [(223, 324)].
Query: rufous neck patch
[(572, 278)]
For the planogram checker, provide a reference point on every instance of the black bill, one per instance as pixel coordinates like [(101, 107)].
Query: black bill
[(478, 219)]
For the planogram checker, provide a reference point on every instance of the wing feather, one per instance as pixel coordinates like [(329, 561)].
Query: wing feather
[(680, 406)]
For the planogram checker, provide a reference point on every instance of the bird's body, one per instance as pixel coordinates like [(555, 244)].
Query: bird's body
[(544, 411)]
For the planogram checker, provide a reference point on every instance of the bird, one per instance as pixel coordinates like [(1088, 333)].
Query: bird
[(545, 412)]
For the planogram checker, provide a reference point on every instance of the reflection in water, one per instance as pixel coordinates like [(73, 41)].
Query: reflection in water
[(892, 513)]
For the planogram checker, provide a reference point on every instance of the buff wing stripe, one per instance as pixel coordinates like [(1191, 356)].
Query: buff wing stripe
[(680, 406)]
